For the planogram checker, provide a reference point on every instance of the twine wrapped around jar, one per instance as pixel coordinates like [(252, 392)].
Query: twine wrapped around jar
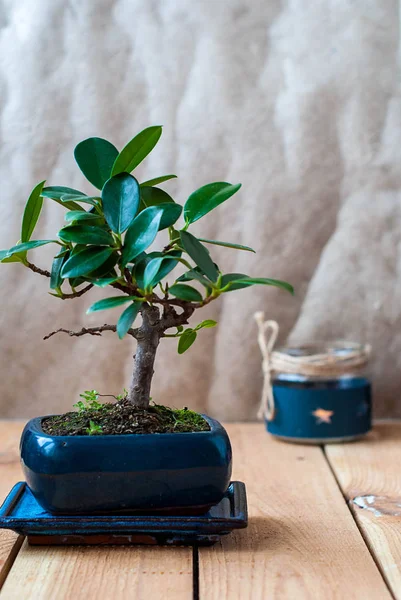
[(318, 364)]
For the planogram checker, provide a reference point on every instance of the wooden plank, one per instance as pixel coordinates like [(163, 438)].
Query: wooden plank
[(58, 573), (302, 541), (117, 572), (10, 473), (370, 476)]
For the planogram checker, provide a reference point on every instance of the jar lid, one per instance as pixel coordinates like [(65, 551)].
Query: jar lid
[(321, 359), (334, 348)]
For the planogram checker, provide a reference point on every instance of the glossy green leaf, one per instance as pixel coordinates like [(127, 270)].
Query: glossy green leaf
[(32, 212), (104, 282), (151, 270), (106, 269), (194, 274), (57, 191), (95, 157), (76, 281), (127, 318), (68, 204), (186, 340), (185, 292), (207, 198), (199, 255), (55, 275), (28, 246), (121, 197), (264, 281), (136, 150), (86, 234), (231, 278), (227, 245), (167, 265), (85, 261), (153, 196), (107, 303), (171, 214), (141, 233), (157, 180), (207, 324), (79, 215), (92, 200), (18, 257)]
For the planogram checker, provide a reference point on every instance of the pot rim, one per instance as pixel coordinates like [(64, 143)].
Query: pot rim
[(36, 424)]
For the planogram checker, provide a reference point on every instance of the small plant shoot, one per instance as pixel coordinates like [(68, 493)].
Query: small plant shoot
[(106, 241)]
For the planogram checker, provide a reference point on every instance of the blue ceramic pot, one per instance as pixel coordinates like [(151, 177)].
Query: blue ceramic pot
[(85, 474)]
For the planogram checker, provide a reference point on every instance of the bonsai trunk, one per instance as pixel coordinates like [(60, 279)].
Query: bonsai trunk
[(148, 340)]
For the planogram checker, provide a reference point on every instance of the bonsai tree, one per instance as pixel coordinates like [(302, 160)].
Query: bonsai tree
[(105, 243)]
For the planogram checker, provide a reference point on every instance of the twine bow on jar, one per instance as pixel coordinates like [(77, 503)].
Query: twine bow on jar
[(336, 359)]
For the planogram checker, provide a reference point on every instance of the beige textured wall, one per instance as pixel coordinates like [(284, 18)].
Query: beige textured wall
[(298, 100)]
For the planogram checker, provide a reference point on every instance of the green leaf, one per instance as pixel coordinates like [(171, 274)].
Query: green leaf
[(233, 278), (154, 197), (264, 281), (227, 245), (92, 200), (55, 275), (106, 269), (199, 255), (185, 292), (195, 274), (95, 157), (57, 191), (207, 198), (86, 234), (167, 265), (32, 212), (107, 303), (171, 213), (127, 318), (68, 204), (151, 271), (157, 180), (151, 196), (136, 150), (79, 215), (28, 246), (104, 282), (121, 199), (19, 257), (186, 340), (76, 281), (85, 261), (141, 233), (207, 324)]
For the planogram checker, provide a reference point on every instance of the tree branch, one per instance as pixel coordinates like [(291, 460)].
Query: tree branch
[(63, 296), (76, 294), (36, 269), (90, 331)]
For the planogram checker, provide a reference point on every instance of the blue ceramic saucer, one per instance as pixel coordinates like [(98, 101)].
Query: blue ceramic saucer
[(22, 513)]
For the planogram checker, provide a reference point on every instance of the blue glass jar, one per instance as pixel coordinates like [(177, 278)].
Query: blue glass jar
[(328, 400)]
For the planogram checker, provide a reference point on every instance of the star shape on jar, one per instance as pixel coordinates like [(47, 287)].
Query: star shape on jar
[(322, 415)]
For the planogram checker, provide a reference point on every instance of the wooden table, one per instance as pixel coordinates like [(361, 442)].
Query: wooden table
[(323, 523)]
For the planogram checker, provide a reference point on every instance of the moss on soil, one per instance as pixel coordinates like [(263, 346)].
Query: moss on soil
[(124, 418)]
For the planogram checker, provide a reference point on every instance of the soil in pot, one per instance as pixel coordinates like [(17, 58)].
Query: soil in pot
[(123, 418)]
